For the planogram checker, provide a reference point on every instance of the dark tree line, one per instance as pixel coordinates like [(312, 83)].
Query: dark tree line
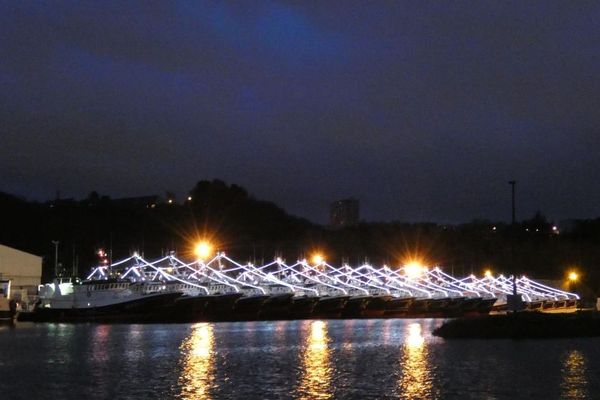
[(255, 230)]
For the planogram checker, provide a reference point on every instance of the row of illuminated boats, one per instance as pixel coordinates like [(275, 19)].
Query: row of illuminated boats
[(170, 289)]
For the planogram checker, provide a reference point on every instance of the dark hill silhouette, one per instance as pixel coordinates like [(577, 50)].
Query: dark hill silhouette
[(250, 229)]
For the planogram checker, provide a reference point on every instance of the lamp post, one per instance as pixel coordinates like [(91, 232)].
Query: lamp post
[(512, 186), (573, 277), (55, 243), (514, 301)]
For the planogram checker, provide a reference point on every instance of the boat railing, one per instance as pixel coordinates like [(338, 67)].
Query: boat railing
[(323, 277)]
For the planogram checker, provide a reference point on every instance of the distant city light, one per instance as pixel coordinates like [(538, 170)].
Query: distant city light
[(170, 201), (189, 198)]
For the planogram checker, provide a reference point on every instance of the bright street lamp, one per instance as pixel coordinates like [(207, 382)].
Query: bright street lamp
[(203, 250)]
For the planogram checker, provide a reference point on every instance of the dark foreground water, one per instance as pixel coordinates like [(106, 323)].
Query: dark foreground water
[(278, 360)]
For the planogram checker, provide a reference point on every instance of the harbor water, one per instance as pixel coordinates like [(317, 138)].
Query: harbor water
[(311, 359)]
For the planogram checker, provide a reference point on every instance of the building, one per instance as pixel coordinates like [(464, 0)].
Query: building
[(24, 270), (344, 213)]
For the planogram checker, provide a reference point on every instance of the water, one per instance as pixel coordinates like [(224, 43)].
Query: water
[(345, 359)]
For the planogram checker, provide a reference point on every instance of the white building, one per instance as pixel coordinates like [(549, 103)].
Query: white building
[(24, 270)]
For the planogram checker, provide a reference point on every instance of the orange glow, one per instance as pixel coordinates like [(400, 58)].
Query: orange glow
[(573, 276), (203, 250), (574, 383), (414, 269), (197, 375), (318, 259), (415, 378), (488, 273), (315, 381)]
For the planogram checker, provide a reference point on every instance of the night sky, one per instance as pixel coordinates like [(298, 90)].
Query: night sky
[(421, 110)]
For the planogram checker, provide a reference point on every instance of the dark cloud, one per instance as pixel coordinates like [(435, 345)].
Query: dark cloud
[(421, 110)]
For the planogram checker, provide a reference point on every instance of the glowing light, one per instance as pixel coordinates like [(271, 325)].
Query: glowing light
[(189, 198), (197, 376), (573, 276), (488, 273), (574, 383), (203, 250), (170, 201), (415, 337), (414, 269), (316, 370), (317, 259), (415, 380)]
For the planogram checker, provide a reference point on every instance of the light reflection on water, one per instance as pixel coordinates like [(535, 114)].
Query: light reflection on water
[(134, 345), (415, 378), (349, 359), (197, 375), (574, 382), (316, 369), (100, 354)]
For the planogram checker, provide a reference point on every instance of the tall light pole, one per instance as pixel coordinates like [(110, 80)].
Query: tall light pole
[(516, 299), (512, 184), (55, 242)]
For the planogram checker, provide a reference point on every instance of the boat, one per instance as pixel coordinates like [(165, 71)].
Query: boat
[(535, 305), (189, 307), (109, 300), (377, 305), (560, 306), (221, 301), (355, 306), (302, 306), (486, 305), (397, 307), (279, 303), (170, 290), (419, 307), (330, 306), (248, 306)]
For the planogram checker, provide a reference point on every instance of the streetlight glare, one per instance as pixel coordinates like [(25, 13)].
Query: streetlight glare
[(573, 276), (413, 269), (317, 259), (203, 250)]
